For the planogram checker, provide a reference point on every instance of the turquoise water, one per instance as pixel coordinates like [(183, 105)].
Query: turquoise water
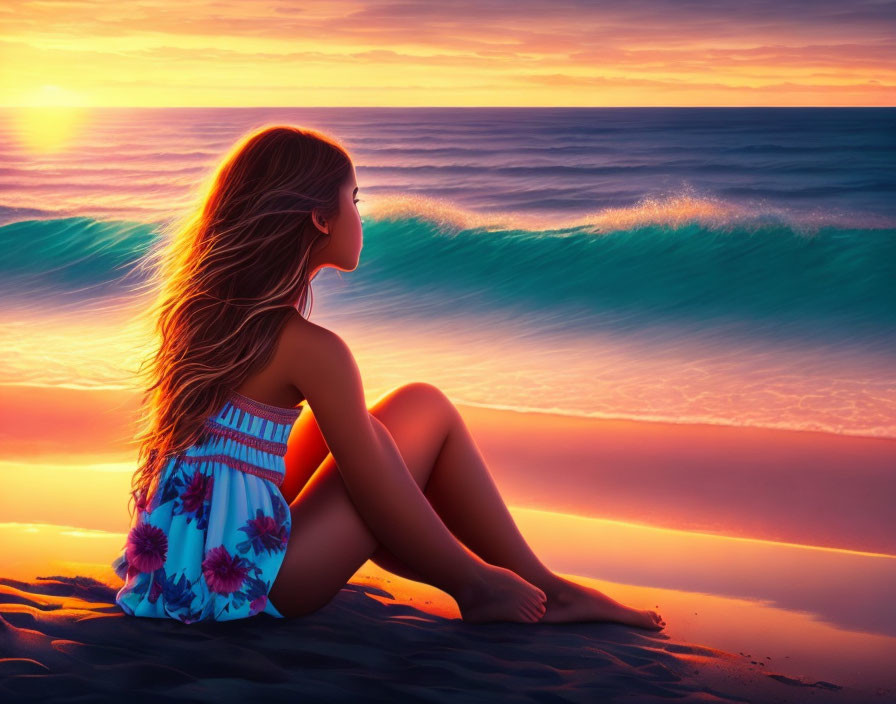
[(690, 265), (832, 284)]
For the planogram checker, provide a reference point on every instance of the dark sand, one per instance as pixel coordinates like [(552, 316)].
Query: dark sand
[(62, 639), (773, 549)]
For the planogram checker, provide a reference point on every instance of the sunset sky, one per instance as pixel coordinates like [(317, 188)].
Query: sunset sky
[(417, 52)]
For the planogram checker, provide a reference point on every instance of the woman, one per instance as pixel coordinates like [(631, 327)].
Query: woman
[(249, 502)]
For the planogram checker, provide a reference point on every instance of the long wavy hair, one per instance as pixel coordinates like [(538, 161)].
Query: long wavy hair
[(226, 277)]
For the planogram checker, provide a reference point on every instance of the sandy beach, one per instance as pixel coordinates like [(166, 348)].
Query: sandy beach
[(68, 643), (769, 553)]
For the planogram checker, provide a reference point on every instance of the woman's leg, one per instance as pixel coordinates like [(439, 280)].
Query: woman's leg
[(429, 430), (432, 436), (307, 450), (463, 493), (329, 540)]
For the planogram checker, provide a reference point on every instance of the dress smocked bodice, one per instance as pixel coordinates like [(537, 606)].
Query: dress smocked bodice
[(248, 436), (213, 539)]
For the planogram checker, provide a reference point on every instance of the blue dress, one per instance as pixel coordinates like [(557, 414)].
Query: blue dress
[(212, 542)]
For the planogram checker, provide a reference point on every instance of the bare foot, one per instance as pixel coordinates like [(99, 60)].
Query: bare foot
[(501, 595), (570, 602)]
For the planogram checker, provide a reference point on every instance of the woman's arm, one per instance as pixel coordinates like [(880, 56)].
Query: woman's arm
[(385, 494)]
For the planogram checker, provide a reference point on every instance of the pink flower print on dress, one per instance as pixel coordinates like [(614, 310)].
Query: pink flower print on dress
[(146, 548), (198, 491), (258, 604), (264, 533), (223, 572)]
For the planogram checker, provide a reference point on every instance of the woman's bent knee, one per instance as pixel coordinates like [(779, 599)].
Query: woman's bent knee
[(413, 392), (423, 389)]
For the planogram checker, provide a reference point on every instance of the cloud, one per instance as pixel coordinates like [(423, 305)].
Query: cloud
[(490, 22), (447, 48)]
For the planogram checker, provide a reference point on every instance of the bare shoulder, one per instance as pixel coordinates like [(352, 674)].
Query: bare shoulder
[(319, 363), (301, 335), (312, 351)]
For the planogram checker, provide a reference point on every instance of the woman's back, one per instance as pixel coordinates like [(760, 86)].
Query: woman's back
[(214, 538), (273, 385)]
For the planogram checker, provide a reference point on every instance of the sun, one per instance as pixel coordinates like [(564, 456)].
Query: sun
[(49, 118)]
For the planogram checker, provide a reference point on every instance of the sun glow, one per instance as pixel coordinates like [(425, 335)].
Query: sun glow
[(50, 96), (48, 118)]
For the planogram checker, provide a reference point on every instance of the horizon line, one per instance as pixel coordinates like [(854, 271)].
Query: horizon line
[(457, 107)]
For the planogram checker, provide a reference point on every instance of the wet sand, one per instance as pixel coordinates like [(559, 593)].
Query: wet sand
[(768, 552)]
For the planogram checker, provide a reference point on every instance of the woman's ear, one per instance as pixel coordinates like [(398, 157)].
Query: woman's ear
[(319, 222)]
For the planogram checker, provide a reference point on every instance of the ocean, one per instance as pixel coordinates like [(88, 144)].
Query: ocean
[(722, 266), (731, 266)]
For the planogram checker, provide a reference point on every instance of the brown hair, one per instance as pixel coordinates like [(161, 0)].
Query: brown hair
[(226, 278)]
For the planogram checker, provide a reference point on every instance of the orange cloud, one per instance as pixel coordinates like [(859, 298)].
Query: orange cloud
[(339, 52)]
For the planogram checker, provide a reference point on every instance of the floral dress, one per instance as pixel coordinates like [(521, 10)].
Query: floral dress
[(215, 536)]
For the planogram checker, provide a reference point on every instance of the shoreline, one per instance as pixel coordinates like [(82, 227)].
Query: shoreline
[(803, 487), (706, 425), (689, 519), (23, 395)]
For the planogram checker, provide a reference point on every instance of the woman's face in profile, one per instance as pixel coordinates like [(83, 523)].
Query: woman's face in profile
[(342, 249)]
